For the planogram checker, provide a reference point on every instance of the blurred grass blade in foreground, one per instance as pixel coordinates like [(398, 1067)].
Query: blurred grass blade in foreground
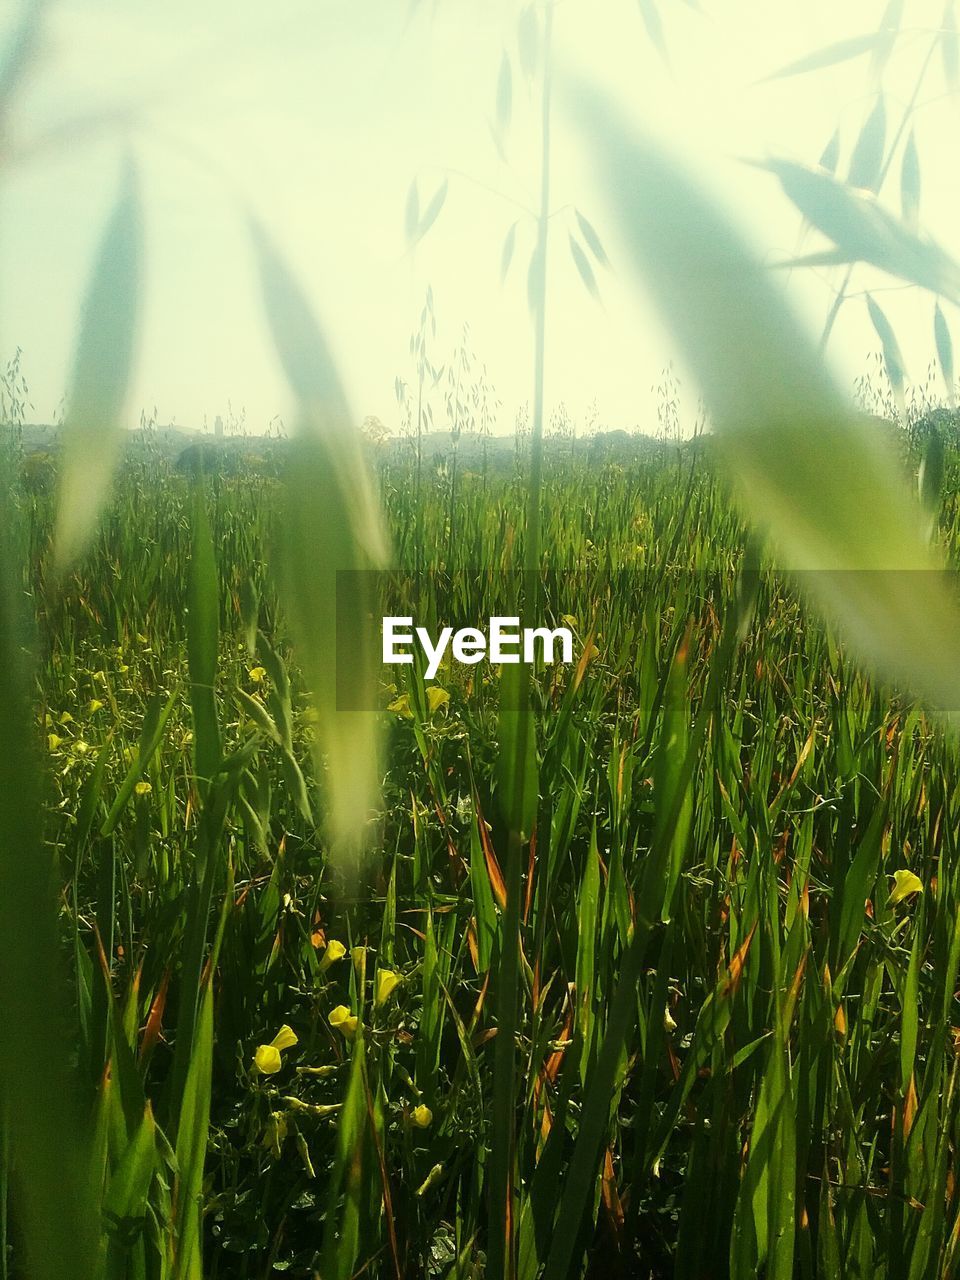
[(809, 470), (330, 522), (93, 428), (39, 1088)]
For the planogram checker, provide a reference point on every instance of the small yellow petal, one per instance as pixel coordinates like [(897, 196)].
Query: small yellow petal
[(143, 788), (422, 1116), (387, 982), (342, 1020), (436, 698), (256, 674), (53, 741), (904, 883), (94, 705), (401, 706), (285, 1038), (267, 1059), (333, 952)]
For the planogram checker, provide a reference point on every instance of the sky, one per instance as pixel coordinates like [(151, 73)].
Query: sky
[(317, 117)]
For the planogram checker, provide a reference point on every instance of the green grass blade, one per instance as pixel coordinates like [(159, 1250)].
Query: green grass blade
[(93, 427)]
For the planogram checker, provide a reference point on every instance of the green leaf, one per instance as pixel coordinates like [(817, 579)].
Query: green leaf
[(504, 94), (46, 1133), (191, 1145), (950, 48), (592, 239), (865, 232), (203, 638), (517, 775), (528, 40), (581, 262), (828, 56), (866, 163), (506, 256), (330, 526), (126, 1197), (892, 358), (654, 25), (887, 34), (930, 475), (944, 350), (154, 723), (432, 211), (93, 426), (830, 155), (813, 474), (910, 182)]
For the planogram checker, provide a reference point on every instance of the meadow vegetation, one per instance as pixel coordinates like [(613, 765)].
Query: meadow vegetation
[(789, 1089), (645, 966)]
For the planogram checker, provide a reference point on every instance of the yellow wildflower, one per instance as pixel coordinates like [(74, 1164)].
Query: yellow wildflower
[(256, 674), (904, 883), (94, 705), (267, 1058), (334, 951), (387, 982), (143, 788), (53, 741), (422, 1116), (342, 1020), (436, 698)]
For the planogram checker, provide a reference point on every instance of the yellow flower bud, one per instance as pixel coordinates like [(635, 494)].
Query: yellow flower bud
[(422, 1116), (267, 1059), (342, 1020), (143, 788), (285, 1038), (333, 952), (387, 982), (436, 698), (904, 883)]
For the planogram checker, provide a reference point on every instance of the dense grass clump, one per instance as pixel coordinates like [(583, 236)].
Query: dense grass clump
[(741, 872)]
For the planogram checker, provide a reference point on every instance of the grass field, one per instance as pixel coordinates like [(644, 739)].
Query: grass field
[(725, 1041)]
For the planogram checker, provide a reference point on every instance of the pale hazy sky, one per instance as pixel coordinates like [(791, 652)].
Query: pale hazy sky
[(319, 115)]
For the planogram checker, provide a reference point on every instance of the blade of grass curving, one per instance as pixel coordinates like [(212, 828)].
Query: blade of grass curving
[(49, 1143), (944, 343), (93, 427), (191, 1145), (864, 231), (866, 163), (518, 782), (829, 56), (330, 524), (809, 471), (203, 634)]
